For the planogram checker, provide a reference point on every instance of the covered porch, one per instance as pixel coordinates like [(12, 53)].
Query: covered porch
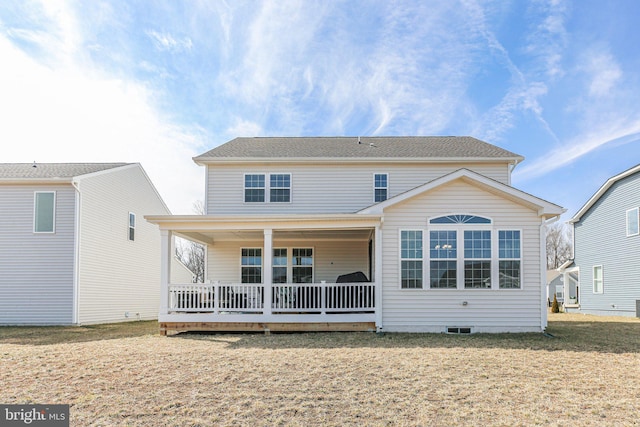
[(275, 273)]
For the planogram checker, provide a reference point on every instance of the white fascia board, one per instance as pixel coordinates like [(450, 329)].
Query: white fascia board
[(258, 222), (545, 209), (601, 191), (203, 161), (35, 181)]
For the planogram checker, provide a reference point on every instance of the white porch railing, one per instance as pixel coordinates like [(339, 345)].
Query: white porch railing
[(312, 298)]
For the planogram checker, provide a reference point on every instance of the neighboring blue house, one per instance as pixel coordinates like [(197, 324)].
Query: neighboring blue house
[(607, 248)]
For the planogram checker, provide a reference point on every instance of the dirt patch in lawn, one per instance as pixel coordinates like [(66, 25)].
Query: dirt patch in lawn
[(587, 374)]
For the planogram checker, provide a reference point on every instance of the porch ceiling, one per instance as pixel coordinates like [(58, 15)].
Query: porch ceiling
[(230, 235)]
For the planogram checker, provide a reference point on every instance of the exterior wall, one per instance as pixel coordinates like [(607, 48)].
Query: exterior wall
[(487, 310), (336, 188), (36, 270), (118, 276), (331, 258), (600, 239)]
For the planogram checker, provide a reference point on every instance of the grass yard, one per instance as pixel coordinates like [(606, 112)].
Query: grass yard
[(126, 374)]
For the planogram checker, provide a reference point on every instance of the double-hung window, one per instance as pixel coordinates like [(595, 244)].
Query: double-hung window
[(380, 187), (280, 188), (509, 264), (274, 188), (254, 188), (279, 265), (251, 268), (633, 222), (44, 212), (132, 226), (477, 259), (598, 279), (411, 259), (443, 265)]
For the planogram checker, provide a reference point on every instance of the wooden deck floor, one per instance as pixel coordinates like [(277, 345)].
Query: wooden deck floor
[(167, 328)]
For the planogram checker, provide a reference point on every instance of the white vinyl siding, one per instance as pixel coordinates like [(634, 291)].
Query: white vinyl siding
[(324, 188), (44, 212), (435, 309), (118, 276), (36, 269)]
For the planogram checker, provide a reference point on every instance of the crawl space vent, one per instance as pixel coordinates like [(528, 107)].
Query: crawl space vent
[(458, 330)]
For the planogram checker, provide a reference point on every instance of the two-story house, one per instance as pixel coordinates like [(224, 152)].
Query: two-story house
[(74, 247), (606, 232), (347, 233)]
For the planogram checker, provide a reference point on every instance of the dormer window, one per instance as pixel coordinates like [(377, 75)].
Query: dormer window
[(380, 187)]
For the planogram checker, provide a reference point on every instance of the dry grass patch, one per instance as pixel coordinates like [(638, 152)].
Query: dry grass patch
[(589, 374)]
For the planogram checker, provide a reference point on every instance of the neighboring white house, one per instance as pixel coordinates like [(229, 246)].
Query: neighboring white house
[(74, 245), (439, 238), (607, 249)]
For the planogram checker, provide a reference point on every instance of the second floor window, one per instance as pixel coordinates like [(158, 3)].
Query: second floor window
[(132, 226), (273, 188), (280, 187), (380, 187), (44, 212), (254, 188), (633, 222)]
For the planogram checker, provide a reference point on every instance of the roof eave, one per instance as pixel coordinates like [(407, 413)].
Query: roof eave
[(36, 181), (203, 161)]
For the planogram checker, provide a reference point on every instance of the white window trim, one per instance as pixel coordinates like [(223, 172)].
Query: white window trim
[(267, 187), (400, 259), (637, 219), (377, 188), (593, 278), (261, 265), (35, 212), (129, 227), (244, 188)]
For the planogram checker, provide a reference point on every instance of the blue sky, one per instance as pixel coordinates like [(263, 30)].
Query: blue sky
[(160, 82)]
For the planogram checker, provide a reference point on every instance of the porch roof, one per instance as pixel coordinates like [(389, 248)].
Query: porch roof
[(206, 228)]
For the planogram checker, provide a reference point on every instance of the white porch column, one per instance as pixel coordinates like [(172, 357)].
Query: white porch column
[(166, 251), (377, 274), (267, 271)]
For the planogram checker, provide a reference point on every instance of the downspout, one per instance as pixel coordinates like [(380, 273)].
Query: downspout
[(75, 315), (543, 270)]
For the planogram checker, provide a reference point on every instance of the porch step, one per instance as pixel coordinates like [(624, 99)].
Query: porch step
[(176, 327)]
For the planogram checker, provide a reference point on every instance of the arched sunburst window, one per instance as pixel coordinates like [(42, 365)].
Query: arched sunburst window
[(460, 219)]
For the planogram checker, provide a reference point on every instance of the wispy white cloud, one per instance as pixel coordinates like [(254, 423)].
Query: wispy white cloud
[(603, 73), (547, 41), (164, 41), (615, 134), (523, 94), (65, 110)]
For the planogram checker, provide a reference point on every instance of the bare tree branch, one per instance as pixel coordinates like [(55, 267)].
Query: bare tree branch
[(559, 245)]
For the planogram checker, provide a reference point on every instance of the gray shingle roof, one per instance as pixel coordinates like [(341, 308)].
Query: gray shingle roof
[(52, 170), (396, 147)]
